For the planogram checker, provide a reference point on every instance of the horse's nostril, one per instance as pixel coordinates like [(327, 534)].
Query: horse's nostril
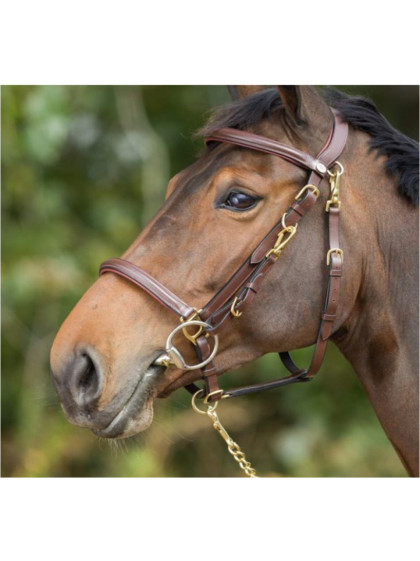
[(88, 379), (79, 381), (84, 380)]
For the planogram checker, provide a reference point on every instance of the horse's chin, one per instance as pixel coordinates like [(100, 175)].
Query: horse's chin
[(124, 426), (137, 413)]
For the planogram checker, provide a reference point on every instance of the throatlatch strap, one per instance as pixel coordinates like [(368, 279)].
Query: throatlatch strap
[(329, 311)]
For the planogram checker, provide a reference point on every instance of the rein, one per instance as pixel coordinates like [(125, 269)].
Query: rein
[(227, 304)]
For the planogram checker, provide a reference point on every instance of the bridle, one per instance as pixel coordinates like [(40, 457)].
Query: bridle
[(238, 292)]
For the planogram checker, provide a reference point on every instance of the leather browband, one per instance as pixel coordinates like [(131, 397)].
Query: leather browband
[(245, 282), (267, 145)]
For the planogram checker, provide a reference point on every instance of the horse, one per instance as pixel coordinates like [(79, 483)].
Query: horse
[(298, 224)]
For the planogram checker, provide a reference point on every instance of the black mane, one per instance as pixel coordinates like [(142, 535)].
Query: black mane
[(361, 114), (402, 152)]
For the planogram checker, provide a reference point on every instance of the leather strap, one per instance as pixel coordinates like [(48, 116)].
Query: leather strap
[(328, 317), (267, 145), (326, 157), (245, 282), (329, 311), (257, 261), (336, 143), (149, 284)]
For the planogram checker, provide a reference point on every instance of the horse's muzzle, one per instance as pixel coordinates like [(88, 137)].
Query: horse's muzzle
[(80, 383)]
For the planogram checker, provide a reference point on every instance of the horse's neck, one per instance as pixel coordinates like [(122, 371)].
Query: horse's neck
[(380, 334)]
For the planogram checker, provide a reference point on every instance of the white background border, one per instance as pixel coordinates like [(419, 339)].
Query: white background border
[(129, 42)]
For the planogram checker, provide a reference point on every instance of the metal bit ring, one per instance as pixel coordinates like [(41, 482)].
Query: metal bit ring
[(176, 358)]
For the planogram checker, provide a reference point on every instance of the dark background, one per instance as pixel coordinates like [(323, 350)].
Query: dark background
[(83, 169)]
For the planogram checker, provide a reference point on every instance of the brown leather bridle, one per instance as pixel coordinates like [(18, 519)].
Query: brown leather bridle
[(243, 285)]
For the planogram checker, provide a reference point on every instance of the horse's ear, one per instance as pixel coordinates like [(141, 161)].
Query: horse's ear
[(303, 104), (241, 92), (291, 98)]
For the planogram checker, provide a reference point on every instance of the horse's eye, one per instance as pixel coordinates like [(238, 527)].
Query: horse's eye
[(240, 201)]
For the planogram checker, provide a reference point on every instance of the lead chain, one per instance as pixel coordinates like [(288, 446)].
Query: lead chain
[(232, 446)]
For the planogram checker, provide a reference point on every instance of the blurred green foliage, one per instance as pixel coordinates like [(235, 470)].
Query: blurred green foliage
[(83, 169)]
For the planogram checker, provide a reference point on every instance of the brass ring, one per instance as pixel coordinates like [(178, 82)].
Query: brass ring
[(197, 409), (337, 173), (211, 394)]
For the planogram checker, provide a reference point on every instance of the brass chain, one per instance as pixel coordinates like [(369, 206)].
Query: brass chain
[(232, 446)]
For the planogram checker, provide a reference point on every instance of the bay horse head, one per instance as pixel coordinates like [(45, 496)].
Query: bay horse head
[(271, 157)]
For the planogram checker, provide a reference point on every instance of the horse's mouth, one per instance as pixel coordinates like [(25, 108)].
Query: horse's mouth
[(137, 413)]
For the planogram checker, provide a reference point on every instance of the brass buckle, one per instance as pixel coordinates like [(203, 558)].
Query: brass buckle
[(194, 316), (335, 250)]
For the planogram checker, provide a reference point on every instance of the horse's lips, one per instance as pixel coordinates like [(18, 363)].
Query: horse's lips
[(137, 413)]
